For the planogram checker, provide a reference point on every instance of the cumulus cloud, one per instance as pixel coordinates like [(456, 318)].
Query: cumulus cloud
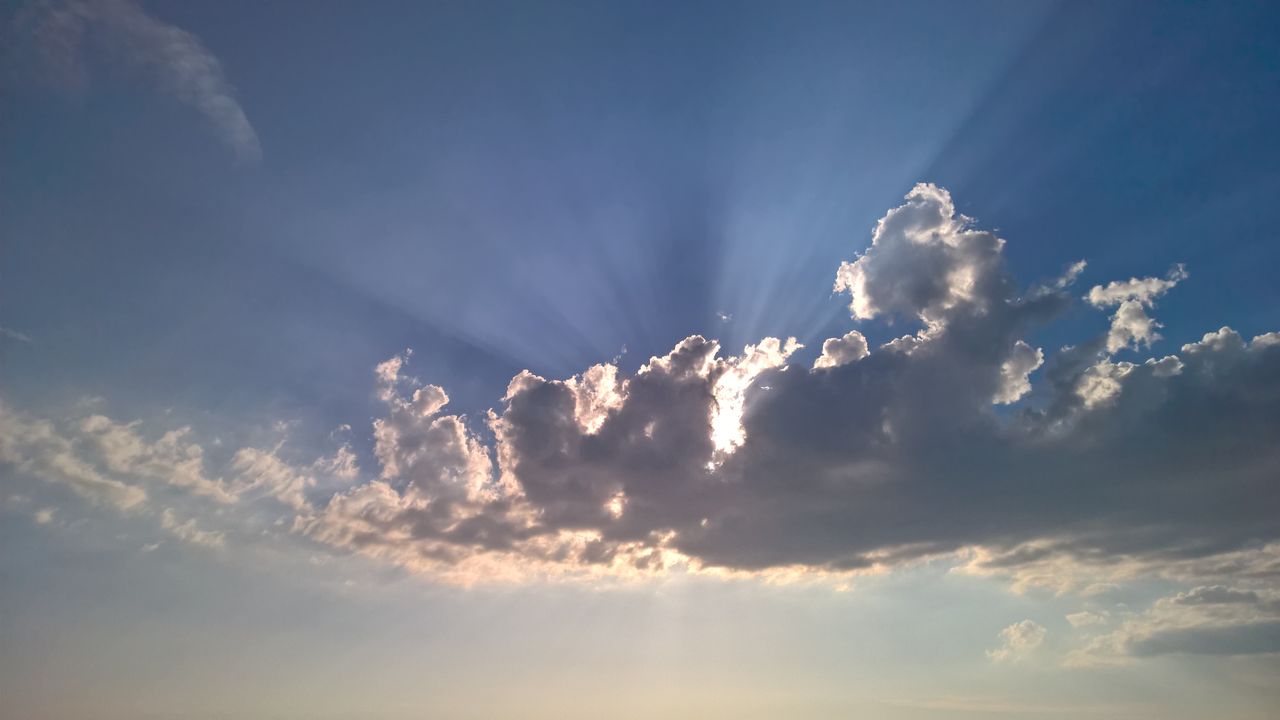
[(924, 261), (851, 347), (1018, 641), (1140, 290), (743, 463), (63, 32), (1131, 326), (1100, 471), (1015, 373)]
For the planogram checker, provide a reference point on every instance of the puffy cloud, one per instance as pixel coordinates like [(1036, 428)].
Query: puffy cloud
[(170, 57), (735, 377), (925, 261), (597, 392), (1140, 290), (742, 464), (1016, 372), (1018, 641), (1130, 325), (1103, 382), (851, 347), (1101, 472)]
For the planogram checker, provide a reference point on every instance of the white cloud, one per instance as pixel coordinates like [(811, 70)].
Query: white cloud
[(1131, 326), (1102, 383), (1143, 291), (169, 459), (734, 377), (851, 347), (1018, 641), (1015, 373), (35, 447), (924, 261), (597, 393)]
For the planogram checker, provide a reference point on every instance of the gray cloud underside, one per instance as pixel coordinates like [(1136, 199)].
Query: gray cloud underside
[(877, 456), (881, 459), (1247, 639)]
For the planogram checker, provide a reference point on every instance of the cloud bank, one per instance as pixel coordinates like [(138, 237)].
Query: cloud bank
[(1069, 469)]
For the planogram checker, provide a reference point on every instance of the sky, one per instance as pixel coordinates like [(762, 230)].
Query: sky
[(686, 360)]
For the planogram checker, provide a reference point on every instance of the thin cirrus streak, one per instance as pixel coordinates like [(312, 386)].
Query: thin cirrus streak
[(748, 465), (172, 59)]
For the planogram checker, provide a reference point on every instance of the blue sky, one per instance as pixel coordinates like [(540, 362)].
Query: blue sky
[(226, 225)]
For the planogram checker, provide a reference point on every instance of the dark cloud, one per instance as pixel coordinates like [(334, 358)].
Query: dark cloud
[(947, 440), (878, 456), (1249, 639)]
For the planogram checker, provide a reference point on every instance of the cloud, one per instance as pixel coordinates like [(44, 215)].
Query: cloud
[(174, 60), (924, 261), (1141, 290), (1087, 618), (879, 455), (120, 464), (189, 532), (1130, 325), (851, 347), (743, 463), (14, 335), (1015, 373), (35, 447), (169, 459), (1018, 641), (1206, 620)]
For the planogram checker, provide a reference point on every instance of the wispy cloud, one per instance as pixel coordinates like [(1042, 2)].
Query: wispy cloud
[(1205, 620), (189, 531), (174, 60), (14, 335)]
